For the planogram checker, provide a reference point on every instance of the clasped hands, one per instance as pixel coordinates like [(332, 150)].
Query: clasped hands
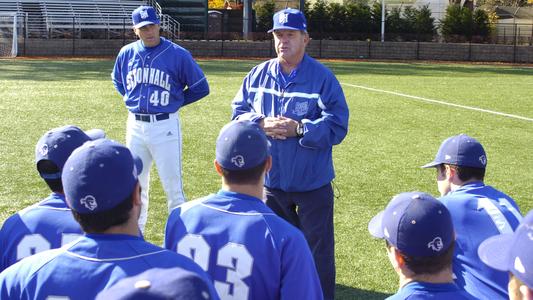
[(279, 127)]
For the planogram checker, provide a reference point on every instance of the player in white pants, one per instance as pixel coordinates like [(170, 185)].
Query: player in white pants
[(156, 78)]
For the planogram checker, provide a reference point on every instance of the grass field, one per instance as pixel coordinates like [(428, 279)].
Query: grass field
[(390, 136)]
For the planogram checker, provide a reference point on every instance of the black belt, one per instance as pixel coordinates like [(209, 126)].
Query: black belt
[(152, 118)]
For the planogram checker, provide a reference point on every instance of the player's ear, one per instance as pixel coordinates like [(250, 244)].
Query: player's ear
[(218, 168), (136, 197), (268, 164)]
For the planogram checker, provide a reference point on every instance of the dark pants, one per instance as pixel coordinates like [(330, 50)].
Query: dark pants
[(312, 213)]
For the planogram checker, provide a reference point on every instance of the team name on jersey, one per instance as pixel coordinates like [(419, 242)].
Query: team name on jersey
[(147, 75)]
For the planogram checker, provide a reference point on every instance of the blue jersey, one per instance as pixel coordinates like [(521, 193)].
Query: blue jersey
[(478, 212), (158, 79), (314, 97), (87, 266), (416, 290), (249, 251), (46, 225)]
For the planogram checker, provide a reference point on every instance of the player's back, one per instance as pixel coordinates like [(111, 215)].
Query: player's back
[(249, 251), (87, 266), (479, 212), (416, 290), (46, 225)]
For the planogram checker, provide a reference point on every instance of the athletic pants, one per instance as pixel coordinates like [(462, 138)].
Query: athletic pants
[(312, 213), (159, 142)]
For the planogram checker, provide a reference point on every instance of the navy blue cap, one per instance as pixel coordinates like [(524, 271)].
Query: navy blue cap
[(416, 224), (241, 145), (57, 144), (289, 18), (159, 284), (460, 150), (144, 15), (99, 175), (512, 252)]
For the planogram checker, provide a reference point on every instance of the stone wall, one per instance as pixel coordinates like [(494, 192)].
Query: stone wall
[(316, 48)]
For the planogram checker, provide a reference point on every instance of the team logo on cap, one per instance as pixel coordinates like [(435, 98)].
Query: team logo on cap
[(283, 18), (144, 13), (89, 202), (436, 244), (44, 150), (238, 160), (483, 159)]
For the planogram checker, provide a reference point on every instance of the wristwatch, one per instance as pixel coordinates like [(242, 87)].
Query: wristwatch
[(300, 129)]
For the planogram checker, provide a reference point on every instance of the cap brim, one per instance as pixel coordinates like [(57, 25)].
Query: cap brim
[(144, 23), (432, 164), (375, 226), (95, 134), (138, 164), (494, 251), (285, 28)]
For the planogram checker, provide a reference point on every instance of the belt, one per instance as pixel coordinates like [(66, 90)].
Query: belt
[(152, 118)]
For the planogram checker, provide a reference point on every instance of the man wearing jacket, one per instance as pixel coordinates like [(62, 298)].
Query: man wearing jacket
[(301, 107)]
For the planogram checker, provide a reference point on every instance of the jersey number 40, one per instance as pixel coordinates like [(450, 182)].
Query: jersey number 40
[(234, 257)]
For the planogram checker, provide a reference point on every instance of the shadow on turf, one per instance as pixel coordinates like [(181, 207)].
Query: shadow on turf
[(343, 292)]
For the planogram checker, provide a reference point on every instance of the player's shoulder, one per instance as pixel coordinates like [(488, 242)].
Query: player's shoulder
[(167, 44), (189, 205), (27, 267)]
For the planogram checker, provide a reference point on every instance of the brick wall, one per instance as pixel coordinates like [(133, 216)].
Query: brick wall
[(316, 48)]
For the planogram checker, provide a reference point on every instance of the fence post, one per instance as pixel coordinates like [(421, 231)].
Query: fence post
[(514, 43), (320, 49), (73, 36)]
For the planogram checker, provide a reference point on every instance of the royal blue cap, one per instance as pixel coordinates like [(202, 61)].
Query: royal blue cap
[(99, 175), (241, 145), (416, 224), (57, 144), (512, 252), (159, 284), (460, 150), (289, 18), (144, 15)]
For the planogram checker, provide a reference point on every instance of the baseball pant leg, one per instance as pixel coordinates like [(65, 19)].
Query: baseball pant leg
[(315, 212), (135, 142), (167, 156), (280, 202)]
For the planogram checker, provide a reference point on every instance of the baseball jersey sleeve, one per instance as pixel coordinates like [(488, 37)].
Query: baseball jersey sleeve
[(193, 78), (299, 278), (241, 105), (116, 75)]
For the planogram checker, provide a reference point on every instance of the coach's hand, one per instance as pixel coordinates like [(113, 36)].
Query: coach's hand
[(279, 127)]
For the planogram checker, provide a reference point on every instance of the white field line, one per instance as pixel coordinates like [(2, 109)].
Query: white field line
[(441, 102)]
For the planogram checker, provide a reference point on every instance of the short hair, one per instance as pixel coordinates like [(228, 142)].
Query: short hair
[(101, 221), (428, 265), (468, 173), (248, 176), (47, 166)]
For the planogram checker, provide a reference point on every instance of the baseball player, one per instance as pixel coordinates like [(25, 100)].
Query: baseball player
[(512, 253), (420, 240), (478, 212), (156, 78), (101, 188), (301, 106), (249, 251), (49, 223)]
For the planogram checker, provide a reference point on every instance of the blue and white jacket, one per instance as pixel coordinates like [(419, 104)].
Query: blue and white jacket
[(315, 98)]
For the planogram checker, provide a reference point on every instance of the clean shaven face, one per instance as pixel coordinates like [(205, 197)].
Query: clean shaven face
[(290, 44), (148, 34)]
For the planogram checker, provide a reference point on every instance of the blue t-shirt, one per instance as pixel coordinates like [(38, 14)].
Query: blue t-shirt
[(83, 268), (249, 251), (424, 290), (478, 212), (46, 225)]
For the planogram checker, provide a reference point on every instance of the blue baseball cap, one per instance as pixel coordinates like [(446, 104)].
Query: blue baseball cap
[(241, 145), (416, 224), (289, 18), (460, 150), (512, 252), (144, 15), (57, 144), (159, 284), (99, 175)]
